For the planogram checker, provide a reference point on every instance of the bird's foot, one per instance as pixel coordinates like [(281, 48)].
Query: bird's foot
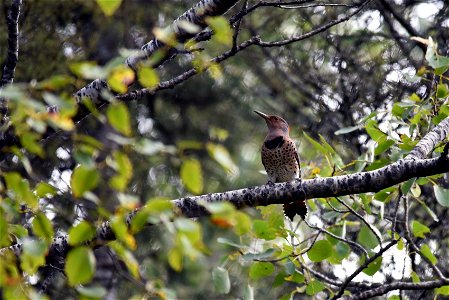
[(270, 183)]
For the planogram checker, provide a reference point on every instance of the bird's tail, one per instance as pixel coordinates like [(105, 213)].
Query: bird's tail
[(295, 208)]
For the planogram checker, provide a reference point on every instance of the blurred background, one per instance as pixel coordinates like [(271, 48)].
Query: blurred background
[(325, 83)]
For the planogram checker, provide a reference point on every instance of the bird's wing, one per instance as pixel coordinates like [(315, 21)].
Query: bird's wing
[(297, 160)]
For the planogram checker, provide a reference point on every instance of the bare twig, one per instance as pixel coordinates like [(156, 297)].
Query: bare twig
[(362, 267), (338, 283), (413, 245), (376, 234), (237, 28), (352, 243)]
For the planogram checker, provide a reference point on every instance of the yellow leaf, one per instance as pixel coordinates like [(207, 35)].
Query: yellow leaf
[(148, 77), (109, 6)]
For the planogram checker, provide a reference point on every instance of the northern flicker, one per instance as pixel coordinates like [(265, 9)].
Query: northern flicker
[(281, 160)]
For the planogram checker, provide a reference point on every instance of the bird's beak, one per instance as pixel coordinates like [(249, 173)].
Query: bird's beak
[(262, 115)]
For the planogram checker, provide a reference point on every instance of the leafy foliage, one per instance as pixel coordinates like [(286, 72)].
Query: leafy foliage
[(339, 93)]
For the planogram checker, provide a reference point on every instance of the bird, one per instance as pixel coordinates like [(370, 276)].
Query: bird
[(281, 160)]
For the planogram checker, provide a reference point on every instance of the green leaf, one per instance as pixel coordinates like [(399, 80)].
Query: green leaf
[(444, 290), (373, 130), (42, 227), (320, 250), (92, 292), (415, 277), (442, 195), (119, 118), (263, 230), (243, 223), (120, 229), (373, 267), (419, 230), (220, 278), (148, 77), (406, 186), (192, 175), (383, 146), (326, 145), (260, 269), (44, 189), (436, 61), (189, 228), (221, 155), (222, 30), (295, 277), (80, 265), (158, 206), (127, 257), (342, 251), (33, 255), (83, 179), (55, 82), (316, 145), (81, 233), (252, 256), (154, 208), (228, 242), (428, 210), (367, 238), (149, 147), (21, 189), (88, 70), (346, 130), (425, 250), (122, 164), (4, 239), (175, 259), (442, 90), (109, 6), (416, 190), (314, 287), (30, 141)]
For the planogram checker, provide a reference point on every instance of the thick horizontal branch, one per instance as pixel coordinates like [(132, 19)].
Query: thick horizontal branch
[(385, 288), (279, 193), (364, 182)]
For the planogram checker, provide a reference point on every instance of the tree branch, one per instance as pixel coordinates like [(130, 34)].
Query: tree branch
[(428, 142), (12, 56), (362, 267), (196, 15), (255, 40), (13, 43), (279, 193), (94, 90), (385, 288)]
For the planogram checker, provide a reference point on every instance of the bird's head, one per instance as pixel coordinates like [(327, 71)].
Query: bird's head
[(274, 123)]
